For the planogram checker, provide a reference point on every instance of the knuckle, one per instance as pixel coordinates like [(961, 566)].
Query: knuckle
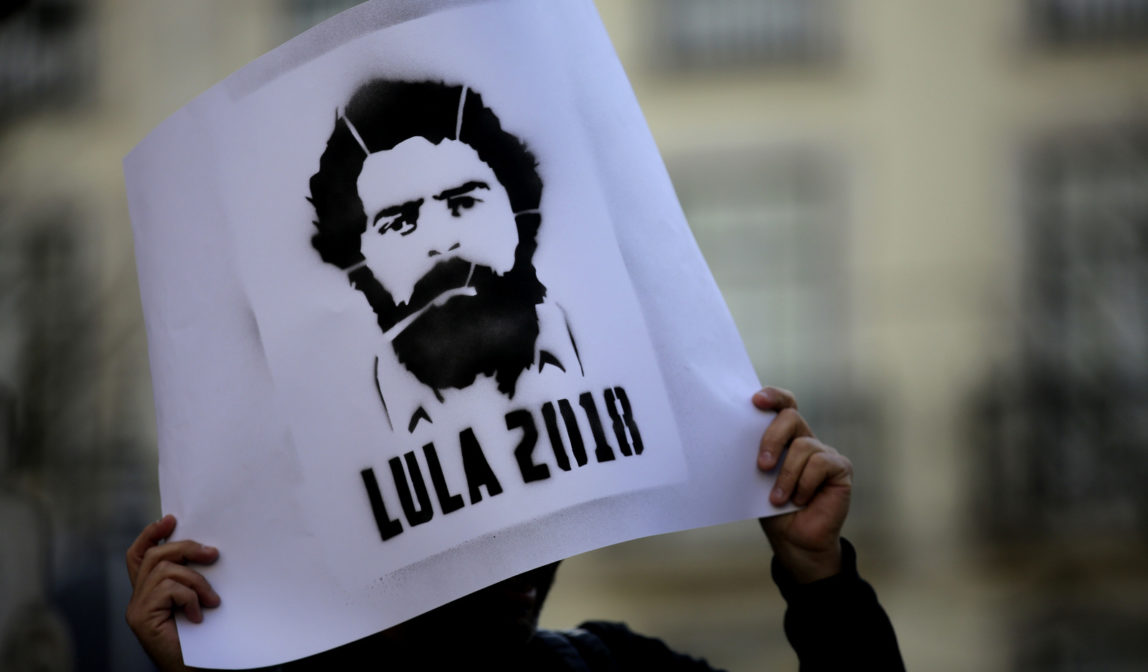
[(807, 443), (152, 553), (786, 395), (169, 570), (173, 585), (796, 418), (805, 446)]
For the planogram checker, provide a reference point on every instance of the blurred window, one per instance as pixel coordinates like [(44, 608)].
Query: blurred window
[(303, 14), (1062, 22), (718, 33), (1066, 426), (45, 54), (1088, 228), (769, 224), (772, 226), (55, 318), (1084, 630)]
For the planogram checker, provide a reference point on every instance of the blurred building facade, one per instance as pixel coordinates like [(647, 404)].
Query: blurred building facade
[(944, 205), (929, 219)]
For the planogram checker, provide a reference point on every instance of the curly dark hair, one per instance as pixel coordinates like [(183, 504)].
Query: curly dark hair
[(387, 112)]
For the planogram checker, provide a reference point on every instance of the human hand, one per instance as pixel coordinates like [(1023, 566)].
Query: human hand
[(162, 583), (813, 475)]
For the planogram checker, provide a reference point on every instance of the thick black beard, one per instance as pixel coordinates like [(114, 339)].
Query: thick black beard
[(492, 333)]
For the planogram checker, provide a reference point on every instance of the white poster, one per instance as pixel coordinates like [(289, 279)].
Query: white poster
[(423, 313)]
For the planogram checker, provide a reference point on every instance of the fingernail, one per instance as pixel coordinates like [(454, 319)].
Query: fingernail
[(767, 457), (761, 397), (209, 549), (779, 494)]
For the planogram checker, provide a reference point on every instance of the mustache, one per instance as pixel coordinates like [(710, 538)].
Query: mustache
[(449, 278), (520, 284), (445, 275), (466, 290)]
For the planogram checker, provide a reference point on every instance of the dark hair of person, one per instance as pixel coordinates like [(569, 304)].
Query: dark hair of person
[(387, 112)]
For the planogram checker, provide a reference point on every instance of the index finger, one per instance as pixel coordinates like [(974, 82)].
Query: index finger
[(785, 428), (151, 536)]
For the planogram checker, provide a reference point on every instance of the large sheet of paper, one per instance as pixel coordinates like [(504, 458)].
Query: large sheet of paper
[(423, 313)]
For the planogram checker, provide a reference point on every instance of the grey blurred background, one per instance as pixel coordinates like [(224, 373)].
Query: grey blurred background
[(929, 219)]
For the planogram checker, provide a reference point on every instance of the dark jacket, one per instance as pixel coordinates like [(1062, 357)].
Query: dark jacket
[(832, 624)]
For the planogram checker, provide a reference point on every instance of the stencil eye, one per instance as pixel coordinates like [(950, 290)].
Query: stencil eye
[(459, 203), (402, 218), (400, 224)]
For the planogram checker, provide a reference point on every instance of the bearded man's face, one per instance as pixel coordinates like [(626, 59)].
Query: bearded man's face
[(426, 204), (440, 236)]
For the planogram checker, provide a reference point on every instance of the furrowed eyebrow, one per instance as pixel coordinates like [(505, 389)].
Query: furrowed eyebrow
[(409, 208), (462, 189)]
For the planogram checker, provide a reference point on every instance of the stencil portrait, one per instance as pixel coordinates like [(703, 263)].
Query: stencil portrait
[(433, 211)]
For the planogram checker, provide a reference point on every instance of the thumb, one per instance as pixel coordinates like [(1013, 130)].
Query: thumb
[(774, 399)]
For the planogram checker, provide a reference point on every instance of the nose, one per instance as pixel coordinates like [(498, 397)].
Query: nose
[(434, 253), (441, 233)]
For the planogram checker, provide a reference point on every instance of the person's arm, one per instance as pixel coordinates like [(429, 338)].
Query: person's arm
[(837, 623), (162, 584), (834, 620)]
